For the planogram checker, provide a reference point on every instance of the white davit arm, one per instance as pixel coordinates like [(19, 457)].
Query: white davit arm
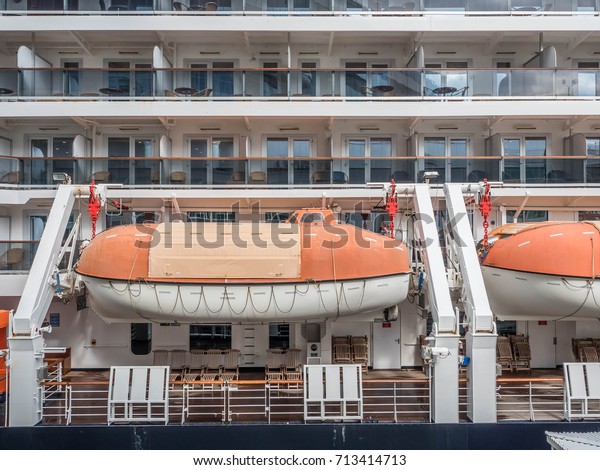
[(477, 306), (39, 287), (439, 294)]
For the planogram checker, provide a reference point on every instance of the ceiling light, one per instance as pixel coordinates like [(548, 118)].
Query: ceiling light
[(129, 52), (268, 53), (129, 128), (446, 52), (49, 128), (525, 127), (210, 128), (289, 129), (505, 52), (368, 53), (368, 128), (209, 52)]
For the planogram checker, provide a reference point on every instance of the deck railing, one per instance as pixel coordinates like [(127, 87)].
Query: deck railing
[(290, 84), (304, 7), (384, 400)]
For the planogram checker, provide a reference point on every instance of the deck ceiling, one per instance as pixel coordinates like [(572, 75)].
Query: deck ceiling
[(11, 40)]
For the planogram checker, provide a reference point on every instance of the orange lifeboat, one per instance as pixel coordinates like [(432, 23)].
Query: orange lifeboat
[(544, 270), (309, 267)]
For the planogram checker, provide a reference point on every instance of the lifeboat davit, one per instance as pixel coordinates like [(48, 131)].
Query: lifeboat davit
[(310, 267), (546, 270)]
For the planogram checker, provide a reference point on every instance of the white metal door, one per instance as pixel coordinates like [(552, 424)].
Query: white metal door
[(386, 345)]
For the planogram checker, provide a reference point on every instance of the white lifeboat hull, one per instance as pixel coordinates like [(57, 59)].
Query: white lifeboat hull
[(517, 295), (119, 301)]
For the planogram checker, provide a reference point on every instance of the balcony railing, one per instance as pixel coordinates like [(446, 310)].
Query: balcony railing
[(349, 84), (303, 7), (18, 172)]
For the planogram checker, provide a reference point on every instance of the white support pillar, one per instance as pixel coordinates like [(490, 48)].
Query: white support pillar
[(26, 343), (444, 345), (481, 337)]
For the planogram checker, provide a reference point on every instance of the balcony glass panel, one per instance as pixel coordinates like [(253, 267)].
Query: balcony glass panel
[(199, 164), (17, 255)]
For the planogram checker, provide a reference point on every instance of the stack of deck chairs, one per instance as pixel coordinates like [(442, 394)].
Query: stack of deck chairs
[(351, 350), (586, 350), (513, 353)]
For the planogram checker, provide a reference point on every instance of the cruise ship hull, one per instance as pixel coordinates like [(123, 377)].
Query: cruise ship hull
[(125, 302)]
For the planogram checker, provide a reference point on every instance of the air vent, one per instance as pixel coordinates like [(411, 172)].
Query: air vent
[(505, 52), (49, 128), (308, 53), (446, 52), (368, 53), (129, 128), (69, 52), (368, 128), (209, 52), (268, 53), (447, 128), (289, 129), (525, 127), (210, 128), (129, 52)]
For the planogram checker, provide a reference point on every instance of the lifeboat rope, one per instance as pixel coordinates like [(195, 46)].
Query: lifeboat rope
[(141, 283)]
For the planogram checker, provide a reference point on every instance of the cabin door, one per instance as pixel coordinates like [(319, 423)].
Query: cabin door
[(386, 345)]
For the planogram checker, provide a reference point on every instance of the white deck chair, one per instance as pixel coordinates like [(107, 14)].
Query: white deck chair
[(178, 364), (231, 362)]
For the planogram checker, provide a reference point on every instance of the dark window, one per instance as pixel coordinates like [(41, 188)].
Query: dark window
[(279, 335), (141, 338), (205, 337)]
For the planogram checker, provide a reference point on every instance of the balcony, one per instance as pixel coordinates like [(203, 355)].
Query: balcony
[(302, 7), (262, 172), (17, 256), (298, 84)]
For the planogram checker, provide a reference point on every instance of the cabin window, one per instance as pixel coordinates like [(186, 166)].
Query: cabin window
[(279, 336), (592, 165), (588, 215), (126, 78), (131, 217), (365, 77), (212, 161), (212, 78), (141, 338), (276, 217), (534, 169), (203, 337), (289, 161), (448, 169), (369, 160), (527, 216), (130, 161), (198, 216), (51, 155)]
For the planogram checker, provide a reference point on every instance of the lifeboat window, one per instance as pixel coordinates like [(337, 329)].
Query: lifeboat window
[(141, 338), (313, 217), (210, 337)]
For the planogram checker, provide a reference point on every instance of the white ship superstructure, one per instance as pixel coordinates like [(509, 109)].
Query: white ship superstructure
[(244, 111)]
